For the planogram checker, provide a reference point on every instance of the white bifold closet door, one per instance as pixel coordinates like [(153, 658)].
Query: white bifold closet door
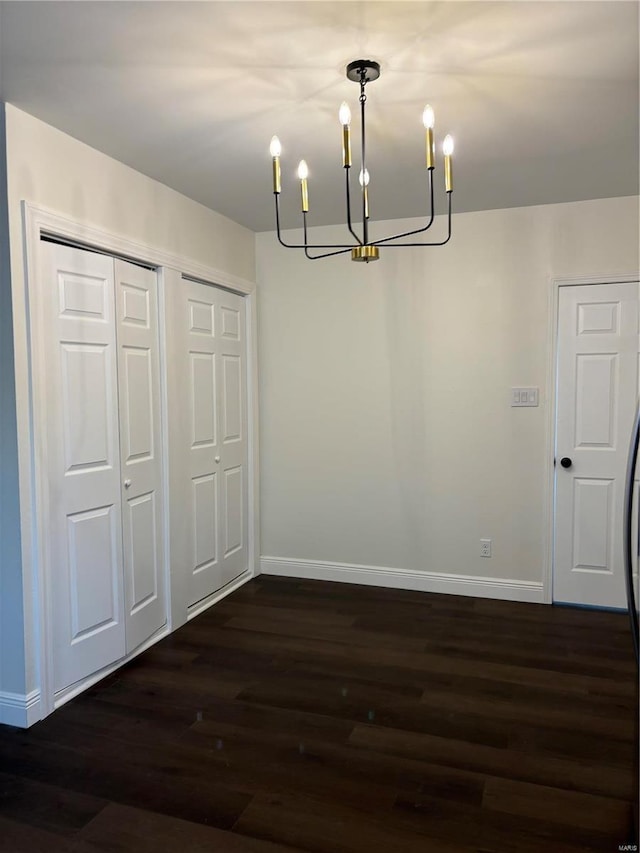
[(101, 472), (140, 451), (212, 332)]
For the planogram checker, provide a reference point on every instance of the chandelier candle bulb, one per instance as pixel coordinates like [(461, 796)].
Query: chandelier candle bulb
[(275, 149), (428, 120), (303, 174), (447, 150), (344, 115)]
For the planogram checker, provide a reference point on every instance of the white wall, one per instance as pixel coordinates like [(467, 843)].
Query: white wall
[(386, 433), (55, 171)]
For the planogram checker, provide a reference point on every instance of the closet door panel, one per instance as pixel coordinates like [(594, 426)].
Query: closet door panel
[(82, 462), (93, 571), (86, 374), (136, 380), (233, 511), (201, 453), (140, 449), (213, 455), (233, 451)]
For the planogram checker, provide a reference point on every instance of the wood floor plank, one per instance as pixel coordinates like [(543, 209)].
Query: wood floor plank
[(329, 774), (122, 829), (47, 807), (161, 783), (541, 700), (325, 617), (545, 739), (319, 632), (364, 705), (600, 814), (16, 837), (304, 822), (296, 765), (561, 714), (496, 831), (275, 722), (565, 774)]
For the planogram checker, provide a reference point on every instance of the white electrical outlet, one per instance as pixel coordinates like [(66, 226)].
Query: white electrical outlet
[(485, 547)]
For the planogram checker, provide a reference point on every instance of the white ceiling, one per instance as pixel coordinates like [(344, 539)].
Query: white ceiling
[(541, 97)]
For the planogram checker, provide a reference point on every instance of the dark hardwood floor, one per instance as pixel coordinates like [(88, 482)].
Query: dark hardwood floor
[(303, 715)]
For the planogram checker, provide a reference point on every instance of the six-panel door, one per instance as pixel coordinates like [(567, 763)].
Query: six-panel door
[(103, 459), (82, 463), (596, 398), (215, 454), (140, 451)]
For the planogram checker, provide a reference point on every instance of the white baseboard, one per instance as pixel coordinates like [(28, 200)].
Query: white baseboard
[(507, 590), (18, 709)]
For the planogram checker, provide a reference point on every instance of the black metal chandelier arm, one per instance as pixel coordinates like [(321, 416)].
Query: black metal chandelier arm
[(306, 244), (438, 243), (342, 246), (347, 172), (417, 230), (326, 254), (280, 240)]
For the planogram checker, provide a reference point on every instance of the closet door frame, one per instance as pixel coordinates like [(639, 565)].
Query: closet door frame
[(36, 557)]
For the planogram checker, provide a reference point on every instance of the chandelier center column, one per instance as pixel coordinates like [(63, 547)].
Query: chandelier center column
[(363, 172)]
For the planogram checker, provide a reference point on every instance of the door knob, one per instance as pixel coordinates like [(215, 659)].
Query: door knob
[(127, 483), (217, 458), (566, 462)]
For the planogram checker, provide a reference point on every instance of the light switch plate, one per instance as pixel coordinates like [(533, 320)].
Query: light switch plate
[(524, 397)]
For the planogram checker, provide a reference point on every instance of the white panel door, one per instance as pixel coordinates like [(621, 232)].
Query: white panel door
[(215, 444), (597, 385), (140, 450), (233, 435), (82, 468)]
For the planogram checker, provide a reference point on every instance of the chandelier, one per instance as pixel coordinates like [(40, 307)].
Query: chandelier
[(362, 71)]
